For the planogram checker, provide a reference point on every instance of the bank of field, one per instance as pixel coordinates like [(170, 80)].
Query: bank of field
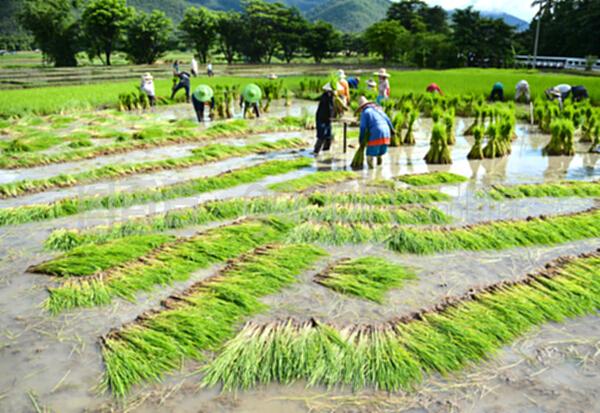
[(48, 100)]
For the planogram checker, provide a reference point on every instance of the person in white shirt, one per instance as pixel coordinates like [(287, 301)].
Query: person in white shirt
[(194, 67), (209, 69), (560, 92), (147, 86), (522, 90)]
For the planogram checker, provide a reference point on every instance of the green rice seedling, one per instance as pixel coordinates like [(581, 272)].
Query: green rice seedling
[(80, 143), (476, 151), (200, 156), (431, 178), (173, 261), (494, 147), (438, 151), (398, 354), (367, 277), (398, 122), (587, 130), (478, 121), (314, 180), (449, 123), (561, 189), (72, 206), (409, 138), (595, 147), (562, 142), (92, 259), (358, 161), (201, 318), (398, 197)]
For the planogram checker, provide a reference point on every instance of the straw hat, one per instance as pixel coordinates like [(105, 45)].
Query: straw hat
[(203, 93), (382, 73), (371, 83), (341, 74), (272, 76), (362, 102), (147, 76), (252, 93)]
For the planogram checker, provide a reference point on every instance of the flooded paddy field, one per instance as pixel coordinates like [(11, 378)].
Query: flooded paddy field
[(54, 354)]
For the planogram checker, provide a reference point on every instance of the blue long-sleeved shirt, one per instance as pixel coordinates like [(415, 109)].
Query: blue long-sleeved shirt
[(376, 126)]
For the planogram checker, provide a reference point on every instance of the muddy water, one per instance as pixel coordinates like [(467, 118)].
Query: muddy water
[(57, 361)]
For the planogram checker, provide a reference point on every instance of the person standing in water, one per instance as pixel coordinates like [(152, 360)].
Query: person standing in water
[(383, 89), (376, 130), (194, 67), (325, 114), (209, 69), (203, 96), (147, 87)]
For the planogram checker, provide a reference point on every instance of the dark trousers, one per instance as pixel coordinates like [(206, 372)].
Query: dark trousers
[(254, 107), (579, 93), (497, 94), (199, 107), (178, 87), (324, 137)]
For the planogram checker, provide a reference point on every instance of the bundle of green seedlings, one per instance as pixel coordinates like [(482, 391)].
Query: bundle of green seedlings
[(588, 128), (72, 206), (135, 100), (202, 317), (449, 120), (398, 197), (171, 261), (200, 156), (431, 178), (312, 181), (398, 355), (476, 151), (398, 122), (561, 189), (562, 142), (369, 278), (479, 120), (310, 89), (595, 147), (152, 137), (438, 151), (411, 118), (496, 235), (358, 161), (496, 146)]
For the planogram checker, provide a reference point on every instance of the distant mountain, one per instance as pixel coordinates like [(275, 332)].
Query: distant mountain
[(350, 15), (518, 24)]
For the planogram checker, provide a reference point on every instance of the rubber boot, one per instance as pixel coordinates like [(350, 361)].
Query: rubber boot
[(379, 160)]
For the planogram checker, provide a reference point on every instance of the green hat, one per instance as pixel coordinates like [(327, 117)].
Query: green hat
[(252, 93), (203, 93)]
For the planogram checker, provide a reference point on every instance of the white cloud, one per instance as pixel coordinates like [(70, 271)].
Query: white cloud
[(518, 8)]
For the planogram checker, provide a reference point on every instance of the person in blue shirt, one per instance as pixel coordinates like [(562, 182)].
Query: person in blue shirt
[(376, 130), (497, 92), (353, 82)]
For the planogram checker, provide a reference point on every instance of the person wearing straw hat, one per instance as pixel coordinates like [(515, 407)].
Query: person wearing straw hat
[(147, 87), (325, 114), (376, 130), (383, 91), (371, 84), (345, 87), (272, 76), (203, 95), (251, 96)]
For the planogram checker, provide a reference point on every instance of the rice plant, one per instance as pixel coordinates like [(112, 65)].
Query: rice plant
[(411, 118), (495, 147), (398, 197), (561, 189), (438, 151), (476, 151), (201, 318), (562, 141), (72, 206), (314, 180), (431, 178), (399, 354), (366, 277)]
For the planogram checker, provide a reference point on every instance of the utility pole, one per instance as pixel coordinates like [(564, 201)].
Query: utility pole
[(537, 38)]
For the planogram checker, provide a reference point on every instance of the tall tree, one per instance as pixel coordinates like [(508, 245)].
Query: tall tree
[(291, 30), (54, 27), (466, 29), (230, 35), (408, 14), (387, 38), (321, 40), (104, 23), (199, 28), (262, 28), (147, 36)]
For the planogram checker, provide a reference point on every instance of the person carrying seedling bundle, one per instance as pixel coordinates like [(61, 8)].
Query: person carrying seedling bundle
[(183, 83), (383, 90), (376, 130), (250, 98), (497, 92), (325, 113), (344, 93), (147, 87), (522, 91), (202, 96), (194, 67), (434, 88)]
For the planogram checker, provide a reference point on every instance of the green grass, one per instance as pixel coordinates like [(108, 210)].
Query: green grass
[(201, 318), (367, 277), (92, 259), (555, 190), (315, 180), (200, 156), (174, 261), (151, 137), (72, 206), (400, 354), (432, 178), (399, 197)]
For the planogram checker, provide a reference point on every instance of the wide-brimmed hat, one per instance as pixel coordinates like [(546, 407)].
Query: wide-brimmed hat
[(272, 76), (252, 93), (362, 102), (147, 76), (203, 93), (341, 74), (382, 73), (371, 83)]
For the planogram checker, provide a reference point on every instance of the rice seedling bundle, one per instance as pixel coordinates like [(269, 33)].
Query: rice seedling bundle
[(476, 151), (72, 206), (495, 147), (399, 354), (201, 318), (398, 122), (409, 138), (314, 180), (449, 119), (562, 142), (358, 161), (398, 197), (200, 156), (366, 277), (478, 121), (595, 148), (431, 178), (555, 190), (174, 261), (587, 134), (438, 151)]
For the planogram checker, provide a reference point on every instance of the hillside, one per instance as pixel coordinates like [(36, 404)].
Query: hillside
[(350, 15), (518, 24), (172, 8)]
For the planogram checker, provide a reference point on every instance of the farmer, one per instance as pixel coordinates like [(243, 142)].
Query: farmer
[(250, 98), (353, 82), (325, 113), (344, 94), (272, 76), (147, 87), (383, 91), (375, 130), (209, 69), (371, 84), (184, 83), (175, 67), (560, 92), (434, 88), (579, 93), (497, 92), (194, 67), (522, 90), (202, 96)]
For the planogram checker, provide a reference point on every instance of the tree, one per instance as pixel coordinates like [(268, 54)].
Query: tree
[(262, 28), (322, 39), (199, 27), (230, 35), (387, 38), (104, 23), (54, 28), (466, 31), (147, 36), (408, 14), (435, 19), (292, 27), (433, 50)]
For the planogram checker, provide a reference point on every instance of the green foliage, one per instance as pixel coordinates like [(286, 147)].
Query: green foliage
[(203, 319), (314, 180), (147, 36), (321, 40), (438, 151), (350, 16), (562, 142), (432, 178), (476, 151), (388, 39), (367, 277), (555, 190), (199, 26)]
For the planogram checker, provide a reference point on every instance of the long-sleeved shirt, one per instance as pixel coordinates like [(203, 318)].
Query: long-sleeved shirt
[(376, 126), (384, 88), (326, 109)]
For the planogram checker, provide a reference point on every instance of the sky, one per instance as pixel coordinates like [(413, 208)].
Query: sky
[(519, 8)]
